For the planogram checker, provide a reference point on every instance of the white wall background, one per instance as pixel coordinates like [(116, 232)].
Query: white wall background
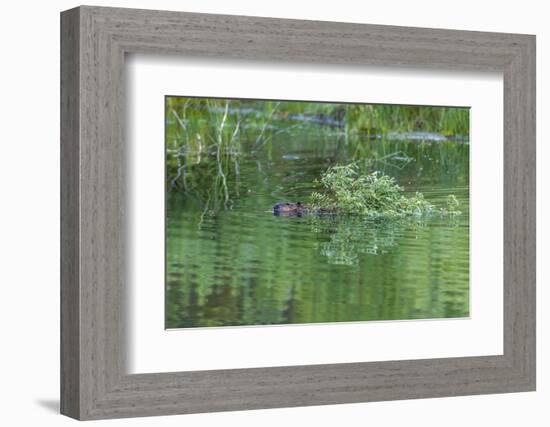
[(29, 214)]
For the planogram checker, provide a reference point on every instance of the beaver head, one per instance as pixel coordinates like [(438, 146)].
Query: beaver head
[(289, 209)]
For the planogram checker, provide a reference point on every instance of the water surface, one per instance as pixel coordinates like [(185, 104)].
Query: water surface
[(243, 266)]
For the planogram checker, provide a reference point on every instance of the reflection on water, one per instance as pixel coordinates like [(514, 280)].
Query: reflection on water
[(244, 266)]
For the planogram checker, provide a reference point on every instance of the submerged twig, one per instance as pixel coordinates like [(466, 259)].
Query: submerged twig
[(234, 154), (218, 153), (205, 210)]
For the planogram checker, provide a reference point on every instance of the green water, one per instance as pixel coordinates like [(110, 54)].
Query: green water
[(241, 265)]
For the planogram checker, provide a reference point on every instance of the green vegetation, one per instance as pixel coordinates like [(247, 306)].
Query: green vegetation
[(452, 206), (382, 119), (206, 139), (230, 261), (346, 190), (352, 237)]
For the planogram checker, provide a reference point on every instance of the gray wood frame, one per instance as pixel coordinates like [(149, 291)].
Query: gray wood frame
[(94, 382)]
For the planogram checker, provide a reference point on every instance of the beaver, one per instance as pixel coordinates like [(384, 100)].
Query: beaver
[(290, 209)]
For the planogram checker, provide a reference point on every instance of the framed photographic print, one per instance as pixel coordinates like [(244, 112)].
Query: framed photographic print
[(262, 213)]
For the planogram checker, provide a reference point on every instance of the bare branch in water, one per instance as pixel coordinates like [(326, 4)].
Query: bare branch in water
[(235, 159), (173, 183), (204, 211), (218, 153), (235, 132), (179, 120)]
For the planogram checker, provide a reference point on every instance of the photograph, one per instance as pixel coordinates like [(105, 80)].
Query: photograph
[(298, 212), (261, 211)]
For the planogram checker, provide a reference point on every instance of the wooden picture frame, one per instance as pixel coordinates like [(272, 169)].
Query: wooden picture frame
[(94, 382)]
